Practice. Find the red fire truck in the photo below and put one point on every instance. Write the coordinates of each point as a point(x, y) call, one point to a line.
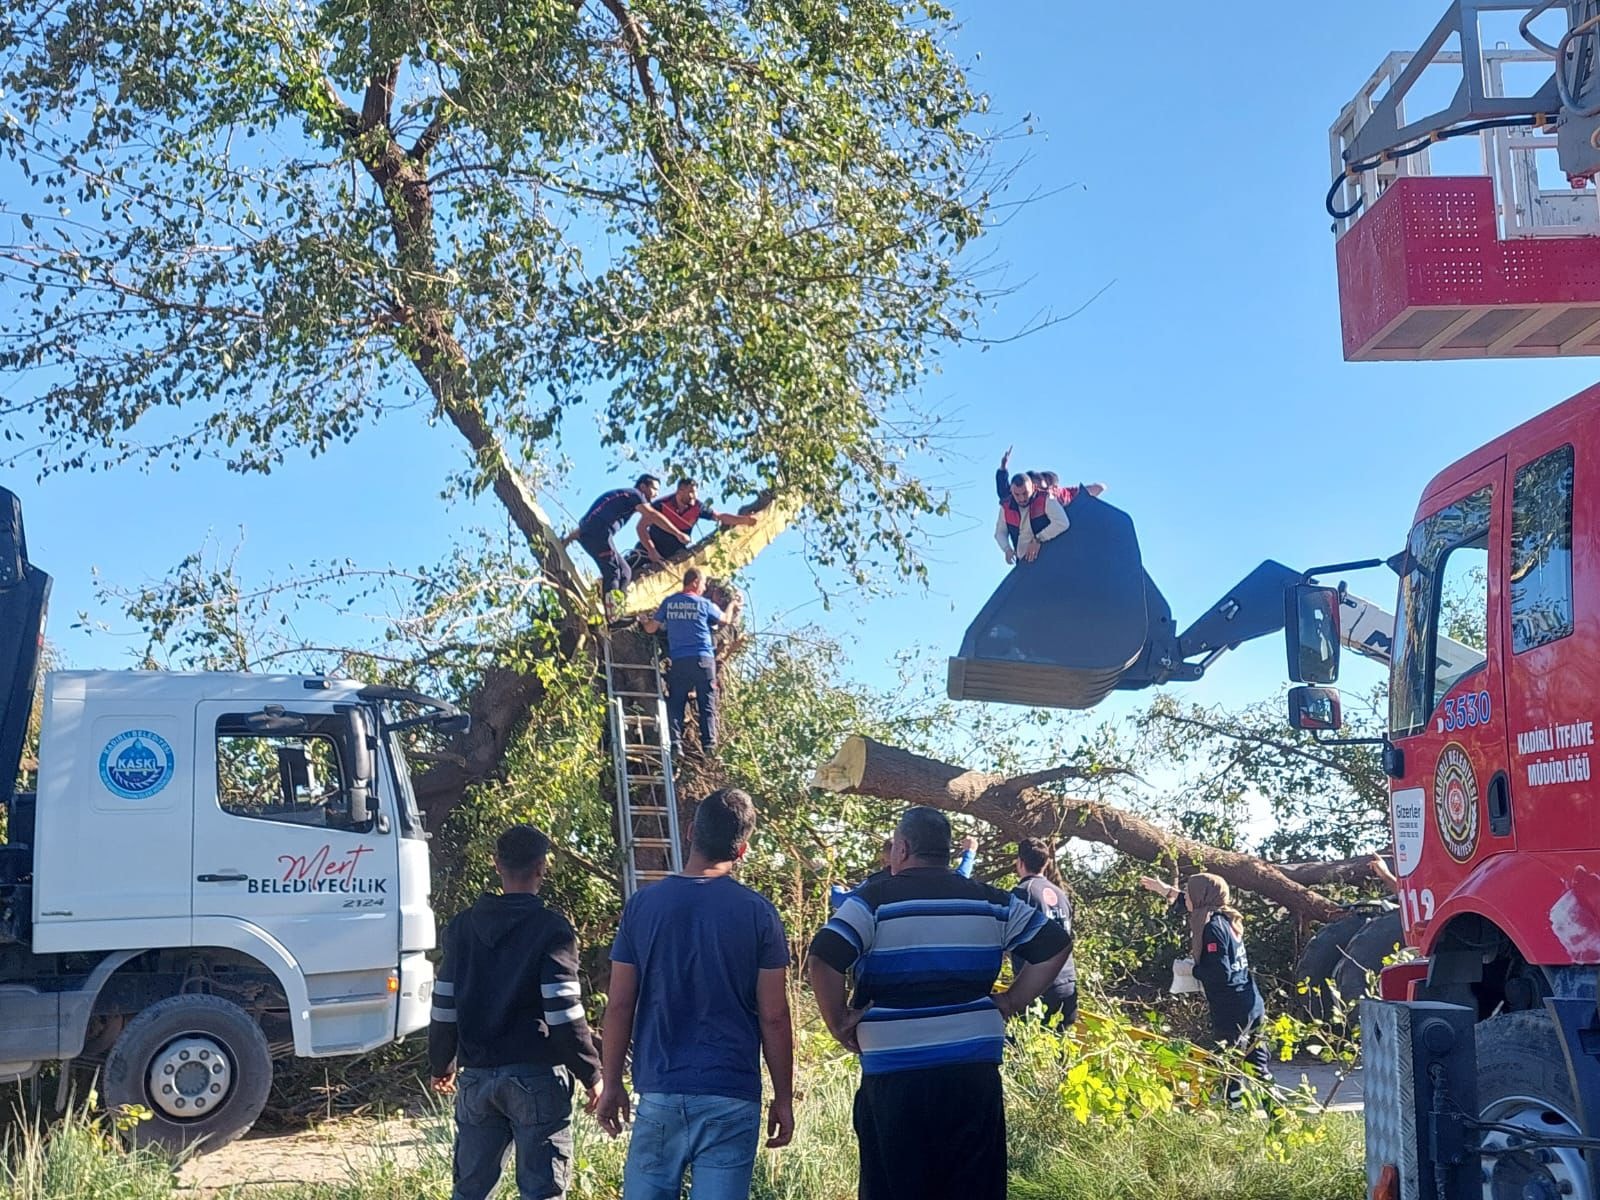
point(1483, 1058)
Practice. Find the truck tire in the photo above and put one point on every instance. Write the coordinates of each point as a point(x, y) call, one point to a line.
point(1522, 1081)
point(200, 1064)
point(1374, 942)
point(1320, 960)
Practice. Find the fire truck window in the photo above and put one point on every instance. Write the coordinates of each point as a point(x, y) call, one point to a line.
point(1541, 551)
point(1463, 613)
point(1420, 674)
point(293, 780)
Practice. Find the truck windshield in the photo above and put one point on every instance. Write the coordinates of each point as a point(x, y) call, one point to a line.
point(1445, 571)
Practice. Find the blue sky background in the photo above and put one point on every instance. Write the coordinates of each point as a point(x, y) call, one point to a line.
point(1205, 385)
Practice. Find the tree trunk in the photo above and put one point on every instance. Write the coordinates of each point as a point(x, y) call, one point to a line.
point(864, 767)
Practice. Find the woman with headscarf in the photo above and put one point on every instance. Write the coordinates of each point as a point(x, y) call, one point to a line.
point(1216, 946)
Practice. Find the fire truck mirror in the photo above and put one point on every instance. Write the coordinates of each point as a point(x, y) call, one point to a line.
point(1311, 631)
point(1315, 709)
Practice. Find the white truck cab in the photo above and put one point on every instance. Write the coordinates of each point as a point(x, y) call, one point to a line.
point(215, 869)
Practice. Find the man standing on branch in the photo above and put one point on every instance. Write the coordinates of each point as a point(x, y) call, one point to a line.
point(683, 510)
point(507, 1033)
point(930, 1114)
point(698, 990)
point(689, 619)
point(1029, 517)
point(1061, 996)
point(609, 513)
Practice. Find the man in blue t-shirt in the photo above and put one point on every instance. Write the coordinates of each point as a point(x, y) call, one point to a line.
point(698, 991)
point(689, 619)
point(609, 513)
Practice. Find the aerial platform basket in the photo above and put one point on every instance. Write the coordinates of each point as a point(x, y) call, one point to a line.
point(1426, 274)
point(1498, 258)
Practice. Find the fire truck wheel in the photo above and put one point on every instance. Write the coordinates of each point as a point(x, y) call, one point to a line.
point(1364, 953)
point(198, 1065)
point(1522, 1083)
point(1319, 961)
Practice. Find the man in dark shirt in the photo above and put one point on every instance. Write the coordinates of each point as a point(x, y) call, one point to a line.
point(609, 513)
point(930, 1115)
point(508, 1034)
point(683, 510)
point(1061, 996)
point(689, 618)
point(698, 991)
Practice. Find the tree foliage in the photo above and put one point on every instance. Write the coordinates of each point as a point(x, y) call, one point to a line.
point(730, 229)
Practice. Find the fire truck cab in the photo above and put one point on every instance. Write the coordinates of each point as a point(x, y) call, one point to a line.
point(1495, 805)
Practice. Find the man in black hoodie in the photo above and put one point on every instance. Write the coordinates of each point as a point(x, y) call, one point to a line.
point(508, 1034)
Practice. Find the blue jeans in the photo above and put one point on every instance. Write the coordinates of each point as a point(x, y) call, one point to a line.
point(498, 1106)
point(716, 1136)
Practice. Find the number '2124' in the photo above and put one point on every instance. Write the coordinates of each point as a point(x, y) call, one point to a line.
point(1465, 712)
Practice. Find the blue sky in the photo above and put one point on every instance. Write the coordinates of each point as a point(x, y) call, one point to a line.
point(1204, 385)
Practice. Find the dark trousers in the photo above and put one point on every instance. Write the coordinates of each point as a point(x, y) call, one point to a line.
point(938, 1134)
point(497, 1107)
point(1061, 1005)
point(697, 675)
point(615, 574)
point(1244, 1038)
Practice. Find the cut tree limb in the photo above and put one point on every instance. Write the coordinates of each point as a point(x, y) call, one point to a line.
point(864, 767)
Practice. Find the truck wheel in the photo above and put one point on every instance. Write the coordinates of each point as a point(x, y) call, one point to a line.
point(1522, 1081)
point(1374, 942)
point(1319, 961)
point(199, 1064)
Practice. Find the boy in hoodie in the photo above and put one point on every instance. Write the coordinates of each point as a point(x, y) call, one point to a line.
point(508, 1034)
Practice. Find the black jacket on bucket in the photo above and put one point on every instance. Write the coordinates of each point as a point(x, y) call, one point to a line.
point(508, 993)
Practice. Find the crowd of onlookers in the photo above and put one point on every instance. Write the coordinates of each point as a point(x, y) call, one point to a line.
point(904, 974)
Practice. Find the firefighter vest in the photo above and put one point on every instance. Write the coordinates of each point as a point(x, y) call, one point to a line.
point(682, 519)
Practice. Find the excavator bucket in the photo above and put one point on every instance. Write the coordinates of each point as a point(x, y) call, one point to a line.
point(1061, 631)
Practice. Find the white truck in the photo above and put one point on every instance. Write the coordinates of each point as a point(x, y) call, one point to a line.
point(215, 870)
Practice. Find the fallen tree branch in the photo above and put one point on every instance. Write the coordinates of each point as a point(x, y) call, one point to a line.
point(864, 767)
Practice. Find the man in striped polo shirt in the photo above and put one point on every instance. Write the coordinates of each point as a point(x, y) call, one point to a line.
point(927, 946)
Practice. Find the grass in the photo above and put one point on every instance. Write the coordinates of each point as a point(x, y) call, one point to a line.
point(1053, 1156)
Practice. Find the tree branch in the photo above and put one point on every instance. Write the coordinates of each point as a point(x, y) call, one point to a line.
point(864, 767)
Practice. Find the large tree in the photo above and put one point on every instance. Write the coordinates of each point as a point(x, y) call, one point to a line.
point(732, 227)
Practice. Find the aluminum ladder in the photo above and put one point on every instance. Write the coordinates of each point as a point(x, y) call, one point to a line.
point(641, 757)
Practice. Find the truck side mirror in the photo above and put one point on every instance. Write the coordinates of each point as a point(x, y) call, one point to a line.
point(1315, 709)
point(363, 800)
point(1311, 632)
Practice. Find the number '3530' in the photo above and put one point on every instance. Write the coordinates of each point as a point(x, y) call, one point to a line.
point(1465, 712)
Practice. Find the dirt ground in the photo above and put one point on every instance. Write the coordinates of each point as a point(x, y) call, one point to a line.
point(334, 1153)
point(326, 1155)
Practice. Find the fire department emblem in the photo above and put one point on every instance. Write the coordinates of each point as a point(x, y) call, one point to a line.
point(1455, 803)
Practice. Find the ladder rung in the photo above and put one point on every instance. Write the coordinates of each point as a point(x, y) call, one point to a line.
point(653, 843)
point(622, 666)
point(653, 874)
point(639, 696)
point(648, 810)
point(647, 778)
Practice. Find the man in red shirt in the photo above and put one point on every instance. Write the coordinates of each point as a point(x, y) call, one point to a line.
point(683, 509)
